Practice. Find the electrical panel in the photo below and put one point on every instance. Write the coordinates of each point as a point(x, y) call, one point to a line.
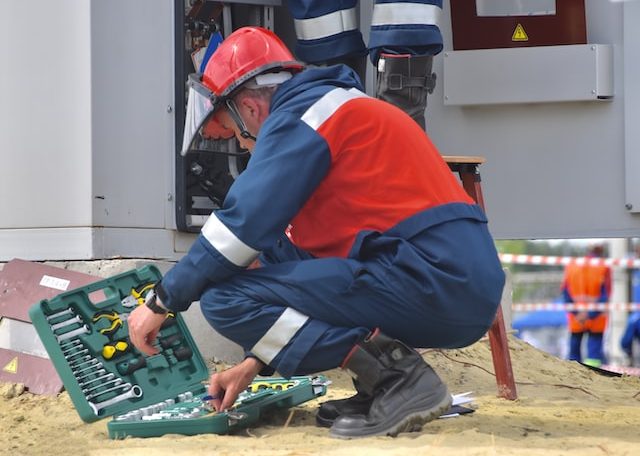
point(205, 173)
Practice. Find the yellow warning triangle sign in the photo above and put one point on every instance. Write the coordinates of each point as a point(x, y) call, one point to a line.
point(519, 34)
point(12, 366)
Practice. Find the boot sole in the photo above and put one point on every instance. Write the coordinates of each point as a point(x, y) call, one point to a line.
point(324, 422)
point(412, 422)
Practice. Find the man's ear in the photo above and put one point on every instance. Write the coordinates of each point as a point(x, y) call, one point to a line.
point(250, 106)
point(256, 108)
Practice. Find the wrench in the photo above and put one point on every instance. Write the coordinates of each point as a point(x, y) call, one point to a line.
point(95, 364)
point(75, 349)
point(76, 332)
point(115, 381)
point(84, 352)
point(71, 345)
point(79, 361)
point(68, 322)
point(135, 391)
point(110, 375)
point(89, 374)
point(124, 386)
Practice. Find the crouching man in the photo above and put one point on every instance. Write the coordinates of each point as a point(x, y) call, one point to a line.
point(368, 245)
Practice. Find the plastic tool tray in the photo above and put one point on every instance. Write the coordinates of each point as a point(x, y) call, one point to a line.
point(85, 333)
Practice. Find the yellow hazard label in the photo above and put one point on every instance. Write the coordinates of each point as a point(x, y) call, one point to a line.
point(12, 366)
point(519, 34)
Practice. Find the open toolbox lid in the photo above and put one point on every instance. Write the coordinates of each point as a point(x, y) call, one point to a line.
point(85, 334)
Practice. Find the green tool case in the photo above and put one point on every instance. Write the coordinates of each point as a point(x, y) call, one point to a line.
point(86, 336)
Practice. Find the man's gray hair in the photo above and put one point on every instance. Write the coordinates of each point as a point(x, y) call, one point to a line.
point(263, 93)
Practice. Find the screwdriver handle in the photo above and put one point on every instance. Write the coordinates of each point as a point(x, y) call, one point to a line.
point(132, 366)
point(167, 342)
point(183, 353)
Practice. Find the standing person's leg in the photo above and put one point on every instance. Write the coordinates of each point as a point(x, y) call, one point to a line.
point(575, 344)
point(404, 38)
point(405, 81)
point(595, 353)
point(595, 325)
point(327, 33)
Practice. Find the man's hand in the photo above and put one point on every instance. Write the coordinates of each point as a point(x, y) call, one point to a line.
point(144, 325)
point(582, 316)
point(225, 386)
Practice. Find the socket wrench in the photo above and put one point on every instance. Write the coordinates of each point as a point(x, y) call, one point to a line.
point(60, 314)
point(75, 333)
point(134, 392)
point(68, 322)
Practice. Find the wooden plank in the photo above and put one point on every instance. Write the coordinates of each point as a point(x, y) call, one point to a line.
point(464, 159)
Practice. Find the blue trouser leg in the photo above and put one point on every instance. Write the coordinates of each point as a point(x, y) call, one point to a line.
point(575, 343)
point(246, 307)
point(324, 45)
point(594, 346)
point(304, 316)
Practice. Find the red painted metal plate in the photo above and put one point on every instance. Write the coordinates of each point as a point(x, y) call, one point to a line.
point(22, 284)
point(37, 374)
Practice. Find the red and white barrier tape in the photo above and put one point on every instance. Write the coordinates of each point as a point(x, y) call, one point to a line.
point(603, 306)
point(543, 260)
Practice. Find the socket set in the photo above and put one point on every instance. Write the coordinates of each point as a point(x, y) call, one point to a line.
point(85, 334)
point(191, 414)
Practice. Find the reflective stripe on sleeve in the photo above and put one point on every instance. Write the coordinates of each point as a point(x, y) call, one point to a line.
point(279, 335)
point(327, 25)
point(402, 13)
point(225, 242)
point(324, 108)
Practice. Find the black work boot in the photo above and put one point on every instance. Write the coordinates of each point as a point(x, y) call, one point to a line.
point(405, 81)
point(354, 405)
point(407, 392)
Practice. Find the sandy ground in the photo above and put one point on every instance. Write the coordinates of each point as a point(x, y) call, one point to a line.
point(562, 409)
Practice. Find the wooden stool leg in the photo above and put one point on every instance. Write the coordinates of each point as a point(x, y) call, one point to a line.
point(470, 177)
point(502, 358)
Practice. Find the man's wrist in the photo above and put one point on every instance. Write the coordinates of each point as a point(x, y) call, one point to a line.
point(154, 304)
point(255, 364)
point(264, 369)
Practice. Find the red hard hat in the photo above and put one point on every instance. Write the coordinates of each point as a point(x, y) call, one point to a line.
point(246, 53)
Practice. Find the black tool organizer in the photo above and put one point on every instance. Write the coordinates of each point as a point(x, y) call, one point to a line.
point(86, 336)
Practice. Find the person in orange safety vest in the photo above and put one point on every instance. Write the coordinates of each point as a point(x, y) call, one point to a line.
point(585, 284)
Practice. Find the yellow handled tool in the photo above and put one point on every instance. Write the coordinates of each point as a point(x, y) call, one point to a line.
point(110, 351)
point(114, 317)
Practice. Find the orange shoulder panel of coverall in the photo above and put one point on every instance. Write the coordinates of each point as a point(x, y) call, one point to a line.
point(585, 285)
